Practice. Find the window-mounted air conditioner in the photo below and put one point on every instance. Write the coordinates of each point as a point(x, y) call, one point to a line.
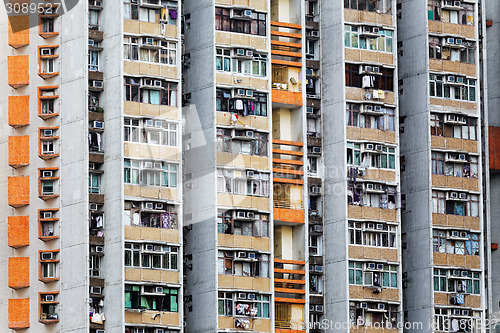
point(316, 150)
point(93, 206)
point(96, 290)
point(47, 173)
point(249, 134)
point(242, 254)
point(462, 157)
point(465, 273)
point(465, 312)
point(456, 272)
point(371, 226)
point(157, 248)
point(462, 196)
point(149, 41)
point(158, 206)
point(159, 290)
point(375, 30)
point(318, 308)
point(369, 186)
point(368, 108)
point(139, 330)
point(249, 53)
point(159, 330)
point(318, 228)
point(376, 69)
point(459, 41)
point(46, 52)
point(247, 13)
point(147, 165)
point(455, 233)
point(459, 79)
point(251, 296)
point(240, 214)
point(157, 83)
point(377, 108)
point(91, 166)
point(452, 195)
point(49, 298)
point(371, 265)
point(367, 29)
point(249, 93)
point(251, 255)
point(457, 312)
point(309, 110)
point(147, 205)
point(148, 123)
point(250, 173)
point(450, 78)
point(240, 92)
point(318, 268)
point(380, 266)
point(242, 296)
point(315, 189)
point(99, 249)
point(47, 215)
point(380, 226)
point(47, 256)
point(251, 215)
point(313, 33)
point(240, 52)
point(369, 146)
point(158, 123)
point(378, 147)
point(91, 42)
point(363, 305)
point(147, 82)
point(47, 133)
point(97, 84)
point(148, 247)
point(98, 124)
point(381, 306)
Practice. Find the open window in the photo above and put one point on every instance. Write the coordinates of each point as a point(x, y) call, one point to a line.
point(48, 265)
point(47, 145)
point(47, 98)
point(48, 183)
point(48, 224)
point(49, 307)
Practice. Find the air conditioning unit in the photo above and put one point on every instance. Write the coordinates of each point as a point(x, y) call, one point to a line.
point(457, 3)
point(309, 110)
point(240, 52)
point(149, 41)
point(249, 134)
point(98, 124)
point(97, 84)
point(450, 117)
point(368, 107)
point(375, 30)
point(455, 233)
point(247, 13)
point(376, 69)
point(249, 53)
point(462, 196)
point(157, 83)
point(96, 290)
point(318, 268)
point(377, 108)
point(456, 272)
point(139, 330)
point(457, 312)
point(46, 52)
point(242, 254)
point(371, 226)
point(250, 173)
point(459, 79)
point(158, 206)
point(148, 123)
point(242, 296)
point(458, 41)
point(47, 174)
point(100, 331)
point(380, 226)
point(363, 305)
point(251, 255)
point(147, 82)
point(249, 93)
point(159, 290)
point(157, 165)
point(316, 150)
point(369, 146)
point(157, 248)
point(318, 228)
point(371, 265)
point(148, 205)
point(147, 165)
point(381, 306)
point(465, 312)
point(315, 189)
point(462, 157)
point(91, 42)
point(465, 273)
point(47, 133)
point(453, 195)
point(97, 3)
point(450, 40)
point(313, 33)
point(380, 266)
point(148, 247)
point(49, 298)
point(450, 78)
point(93, 206)
point(159, 330)
point(378, 147)
point(46, 256)
point(91, 166)
point(47, 215)
point(318, 308)
point(367, 29)
point(99, 249)
point(251, 215)
point(240, 214)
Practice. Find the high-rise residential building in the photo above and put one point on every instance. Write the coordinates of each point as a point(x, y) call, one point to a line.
point(277, 166)
point(91, 168)
point(442, 121)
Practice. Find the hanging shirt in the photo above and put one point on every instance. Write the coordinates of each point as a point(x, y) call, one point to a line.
point(239, 105)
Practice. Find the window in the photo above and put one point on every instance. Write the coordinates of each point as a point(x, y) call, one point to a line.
point(447, 125)
point(353, 153)
point(47, 97)
point(383, 6)
point(464, 16)
point(132, 89)
point(383, 119)
point(385, 81)
point(47, 25)
point(131, 48)
point(354, 39)
point(373, 274)
point(236, 142)
point(48, 265)
point(437, 163)
point(455, 203)
point(151, 256)
point(94, 183)
point(442, 49)
point(150, 131)
point(244, 304)
point(165, 93)
point(464, 91)
point(150, 173)
point(440, 280)
point(352, 114)
point(456, 242)
point(355, 273)
point(312, 165)
point(225, 304)
point(93, 60)
point(239, 182)
point(47, 219)
point(48, 179)
point(150, 49)
point(93, 19)
point(151, 214)
point(239, 223)
point(154, 298)
point(236, 20)
point(48, 307)
point(48, 66)
point(95, 266)
point(237, 263)
point(315, 283)
point(223, 60)
point(372, 234)
point(316, 245)
point(132, 130)
point(371, 195)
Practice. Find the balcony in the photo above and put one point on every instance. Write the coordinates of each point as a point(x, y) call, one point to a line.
point(286, 60)
point(289, 292)
point(288, 181)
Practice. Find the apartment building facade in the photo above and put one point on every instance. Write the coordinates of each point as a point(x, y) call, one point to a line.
point(92, 201)
point(442, 153)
